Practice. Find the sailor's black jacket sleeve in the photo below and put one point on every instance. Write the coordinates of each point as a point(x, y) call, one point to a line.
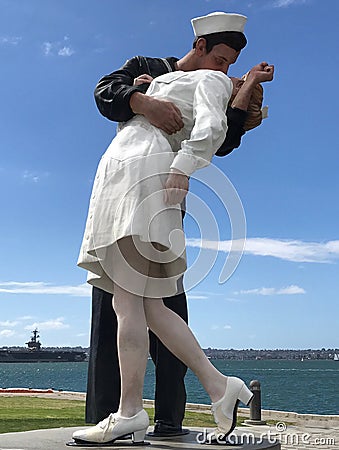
point(113, 92)
point(235, 122)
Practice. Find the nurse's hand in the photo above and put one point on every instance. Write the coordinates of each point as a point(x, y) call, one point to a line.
point(258, 74)
point(261, 72)
point(160, 113)
point(176, 188)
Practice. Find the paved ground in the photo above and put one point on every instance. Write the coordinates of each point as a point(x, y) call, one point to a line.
point(300, 437)
point(246, 437)
point(56, 439)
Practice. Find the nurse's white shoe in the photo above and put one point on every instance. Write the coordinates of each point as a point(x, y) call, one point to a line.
point(225, 409)
point(115, 427)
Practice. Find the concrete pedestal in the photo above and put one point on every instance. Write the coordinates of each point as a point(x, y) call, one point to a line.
point(56, 439)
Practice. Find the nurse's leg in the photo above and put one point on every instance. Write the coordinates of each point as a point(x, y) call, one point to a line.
point(130, 268)
point(179, 339)
point(132, 349)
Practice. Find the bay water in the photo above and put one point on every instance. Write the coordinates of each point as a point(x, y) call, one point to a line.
point(309, 386)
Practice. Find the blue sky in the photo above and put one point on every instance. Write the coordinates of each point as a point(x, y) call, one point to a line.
point(284, 292)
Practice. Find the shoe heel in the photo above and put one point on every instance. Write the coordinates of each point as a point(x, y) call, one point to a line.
point(139, 436)
point(245, 395)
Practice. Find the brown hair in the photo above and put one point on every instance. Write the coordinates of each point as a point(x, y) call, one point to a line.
point(254, 113)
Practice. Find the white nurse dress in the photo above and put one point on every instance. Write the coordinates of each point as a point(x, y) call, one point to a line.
point(127, 195)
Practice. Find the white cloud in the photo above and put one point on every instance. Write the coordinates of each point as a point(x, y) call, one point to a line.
point(23, 318)
point(233, 300)
point(39, 287)
point(288, 250)
point(66, 51)
point(204, 295)
point(8, 323)
point(7, 333)
point(57, 48)
point(197, 297)
point(218, 327)
point(33, 177)
point(286, 3)
point(52, 324)
point(47, 48)
point(289, 290)
point(297, 251)
point(10, 40)
point(29, 176)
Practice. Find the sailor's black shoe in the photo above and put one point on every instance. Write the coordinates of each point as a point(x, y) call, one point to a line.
point(162, 429)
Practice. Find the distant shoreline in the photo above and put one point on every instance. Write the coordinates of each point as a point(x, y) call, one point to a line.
point(277, 354)
point(234, 354)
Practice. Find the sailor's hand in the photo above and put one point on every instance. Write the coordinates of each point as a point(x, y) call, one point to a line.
point(142, 79)
point(164, 115)
point(176, 188)
point(160, 113)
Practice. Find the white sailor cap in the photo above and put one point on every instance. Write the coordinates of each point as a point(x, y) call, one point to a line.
point(218, 22)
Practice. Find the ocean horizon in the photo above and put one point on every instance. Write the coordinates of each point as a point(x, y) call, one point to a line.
point(306, 387)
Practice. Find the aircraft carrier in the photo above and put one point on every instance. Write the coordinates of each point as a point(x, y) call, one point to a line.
point(34, 353)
